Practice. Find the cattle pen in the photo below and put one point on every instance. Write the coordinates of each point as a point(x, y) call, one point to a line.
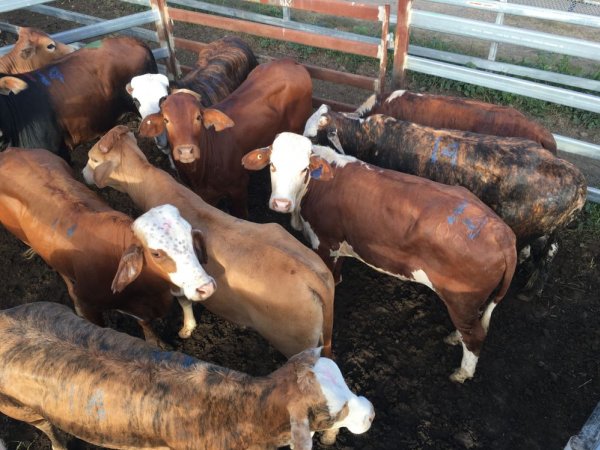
point(539, 376)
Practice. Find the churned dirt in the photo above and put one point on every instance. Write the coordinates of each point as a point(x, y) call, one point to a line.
point(537, 380)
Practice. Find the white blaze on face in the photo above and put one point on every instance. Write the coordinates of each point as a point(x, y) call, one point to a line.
point(148, 89)
point(163, 228)
point(312, 124)
point(290, 157)
point(334, 388)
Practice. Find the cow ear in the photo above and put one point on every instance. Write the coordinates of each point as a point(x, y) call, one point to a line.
point(102, 173)
point(108, 141)
point(11, 84)
point(129, 269)
point(300, 428)
point(257, 159)
point(129, 88)
point(199, 246)
point(217, 119)
point(320, 169)
point(152, 125)
point(27, 50)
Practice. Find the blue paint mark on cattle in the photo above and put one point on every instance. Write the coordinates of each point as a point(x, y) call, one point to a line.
point(475, 226)
point(186, 362)
point(457, 212)
point(71, 230)
point(95, 405)
point(45, 81)
point(316, 174)
point(450, 151)
point(55, 74)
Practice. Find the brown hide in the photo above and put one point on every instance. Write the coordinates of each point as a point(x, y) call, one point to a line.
point(77, 234)
point(275, 97)
point(441, 111)
point(116, 391)
point(33, 49)
point(266, 279)
point(87, 87)
point(400, 224)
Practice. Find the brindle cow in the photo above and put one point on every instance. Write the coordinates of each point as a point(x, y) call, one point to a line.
point(60, 372)
point(405, 226)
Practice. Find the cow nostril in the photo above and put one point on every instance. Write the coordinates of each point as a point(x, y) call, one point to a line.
point(207, 289)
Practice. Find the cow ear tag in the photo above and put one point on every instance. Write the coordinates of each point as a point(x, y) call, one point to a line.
point(316, 174)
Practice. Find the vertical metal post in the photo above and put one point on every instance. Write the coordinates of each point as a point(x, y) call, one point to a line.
point(401, 43)
point(286, 13)
point(384, 17)
point(494, 46)
point(164, 29)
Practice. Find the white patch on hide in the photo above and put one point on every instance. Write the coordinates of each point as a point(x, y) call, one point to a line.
point(336, 392)
point(163, 228)
point(395, 94)
point(331, 156)
point(312, 124)
point(525, 253)
point(487, 316)
point(310, 234)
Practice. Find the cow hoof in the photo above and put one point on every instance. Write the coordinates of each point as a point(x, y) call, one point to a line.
point(453, 338)
point(186, 333)
point(460, 375)
point(329, 436)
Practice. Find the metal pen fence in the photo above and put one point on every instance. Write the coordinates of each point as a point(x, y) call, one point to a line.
point(563, 89)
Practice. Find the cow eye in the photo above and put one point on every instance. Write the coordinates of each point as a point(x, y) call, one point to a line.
point(199, 117)
point(165, 120)
point(94, 160)
point(332, 133)
point(155, 254)
point(51, 46)
point(305, 170)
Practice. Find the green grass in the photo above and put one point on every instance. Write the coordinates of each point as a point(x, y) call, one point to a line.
point(590, 219)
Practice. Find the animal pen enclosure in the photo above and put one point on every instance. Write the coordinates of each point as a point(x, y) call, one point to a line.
point(538, 377)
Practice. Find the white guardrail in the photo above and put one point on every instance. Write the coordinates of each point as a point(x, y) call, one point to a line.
point(478, 71)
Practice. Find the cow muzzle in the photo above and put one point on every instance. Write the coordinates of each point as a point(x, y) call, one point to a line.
point(205, 291)
point(282, 205)
point(186, 153)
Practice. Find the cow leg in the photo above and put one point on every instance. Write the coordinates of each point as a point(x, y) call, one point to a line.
point(472, 335)
point(334, 264)
point(543, 251)
point(27, 415)
point(189, 321)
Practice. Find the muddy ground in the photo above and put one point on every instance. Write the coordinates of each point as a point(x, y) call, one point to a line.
point(537, 380)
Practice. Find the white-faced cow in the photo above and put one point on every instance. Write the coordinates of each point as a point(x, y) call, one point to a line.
point(533, 191)
point(107, 260)
point(405, 226)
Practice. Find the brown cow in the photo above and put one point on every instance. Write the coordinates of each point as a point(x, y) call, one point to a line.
point(87, 242)
point(33, 49)
point(533, 191)
point(442, 111)
point(75, 99)
point(116, 391)
point(205, 144)
point(267, 279)
point(405, 226)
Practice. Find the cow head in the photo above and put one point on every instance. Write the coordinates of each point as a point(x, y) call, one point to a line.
point(292, 165)
point(36, 49)
point(169, 247)
point(321, 129)
point(325, 401)
point(105, 158)
point(147, 90)
point(185, 121)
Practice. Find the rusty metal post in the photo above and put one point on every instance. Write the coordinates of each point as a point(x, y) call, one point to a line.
point(401, 43)
point(384, 17)
point(164, 29)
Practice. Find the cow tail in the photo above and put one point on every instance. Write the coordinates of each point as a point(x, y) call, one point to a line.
point(509, 249)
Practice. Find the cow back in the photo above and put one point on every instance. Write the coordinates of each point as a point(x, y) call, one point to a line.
point(440, 111)
point(221, 67)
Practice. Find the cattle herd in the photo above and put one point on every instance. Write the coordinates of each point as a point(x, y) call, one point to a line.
point(454, 194)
